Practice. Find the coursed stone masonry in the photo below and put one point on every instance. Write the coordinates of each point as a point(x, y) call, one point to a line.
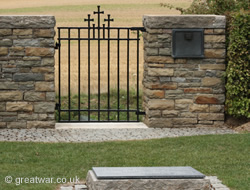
point(27, 94)
point(183, 92)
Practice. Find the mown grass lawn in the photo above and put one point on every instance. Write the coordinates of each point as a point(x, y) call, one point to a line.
point(225, 156)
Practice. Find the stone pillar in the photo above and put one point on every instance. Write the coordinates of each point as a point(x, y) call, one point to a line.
point(27, 94)
point(187, 92)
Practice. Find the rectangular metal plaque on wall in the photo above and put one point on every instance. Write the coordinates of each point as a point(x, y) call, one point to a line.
point(188, 43)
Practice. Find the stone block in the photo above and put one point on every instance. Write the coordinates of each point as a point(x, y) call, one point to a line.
point(164, 38)
point(178, 91)
point(166, 86)
point(198, 90)
point(5, 32)
point(11, 95)
point(45, 86)
point(30, 63)
point(38, 51)
point(17, 125)
point(154, 93)
point(182, 107)
point(9, 119)
point(214, 38)
point(19, 106)
point(165, 51)
point(188, 115)
point(208, 31)
point(210, 99)
point(27, 116)
point(17, 51)
point(219, 31)
point(26, 42)
point(183, 101)
point(211, 116)
point(40, 124)
point(48, 62)
point(8, 113)
point(49, 77)
point(27, 85)
point(50, 96)
point(47, 43)
point(221, 67)
point(151, 51)
point(4, 51)
point(22, 32)
point(24, 21)
point(42, 69)
point(184, 21)
point(156, 65)
point(95, 182)
point(49, 33)
point(215, 53)
point(159, 59)
point(44, 107)
point(30, 58)
point(206, 122)
point(170, 113)
point(159, 122)
point(2, 106)
point(184, 121)
point(217, 108)
point(160, 72)
point(3, 124)
point(34, 96)
point(8, 86)
point(161, 104)
point(211, 81)
point(24, 77)
point(153, 113)
point(198, 108)
point(6, 42)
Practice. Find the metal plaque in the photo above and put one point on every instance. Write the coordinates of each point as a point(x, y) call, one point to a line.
point(147, 173)
point(188, 43)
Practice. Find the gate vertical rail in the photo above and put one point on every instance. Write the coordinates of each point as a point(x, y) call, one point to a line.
point(66, 109)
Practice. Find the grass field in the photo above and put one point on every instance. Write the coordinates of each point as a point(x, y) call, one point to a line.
point(225, 156)
point(72, 13)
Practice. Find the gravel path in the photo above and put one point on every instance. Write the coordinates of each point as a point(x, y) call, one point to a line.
point(99, 135)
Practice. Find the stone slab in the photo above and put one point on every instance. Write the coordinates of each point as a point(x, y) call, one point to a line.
point(183, 21)
point(27, 22)
point(147, 173)
point(145, 184)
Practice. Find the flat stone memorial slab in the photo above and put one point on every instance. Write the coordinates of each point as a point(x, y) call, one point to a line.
point(146, 178)
point(147, 173)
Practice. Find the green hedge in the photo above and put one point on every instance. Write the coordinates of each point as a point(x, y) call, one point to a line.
point(238, 71)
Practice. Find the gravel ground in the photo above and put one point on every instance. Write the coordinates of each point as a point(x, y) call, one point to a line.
point(99, 135)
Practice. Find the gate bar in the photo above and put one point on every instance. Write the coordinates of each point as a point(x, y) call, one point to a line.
point(128, 75)
point(59, 74)
point(118, 74)
point(69, 103)
point(138, 38)
point(79, 76)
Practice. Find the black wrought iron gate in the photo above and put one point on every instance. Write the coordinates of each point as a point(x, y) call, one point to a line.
point(112, 101)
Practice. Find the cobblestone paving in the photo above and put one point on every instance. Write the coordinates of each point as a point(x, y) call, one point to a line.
point(99, 135)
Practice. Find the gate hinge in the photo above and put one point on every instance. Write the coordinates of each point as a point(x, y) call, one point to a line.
point(57, 45)
point(142, 29)
point(140, 113)
point(57, 106)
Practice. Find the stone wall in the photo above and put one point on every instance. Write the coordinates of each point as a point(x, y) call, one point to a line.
point(183, 92)
point(27, 94)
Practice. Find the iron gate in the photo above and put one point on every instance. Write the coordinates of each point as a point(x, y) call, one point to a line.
point(115, 103)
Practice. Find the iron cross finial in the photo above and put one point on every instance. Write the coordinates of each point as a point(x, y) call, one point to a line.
point(108, 20)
